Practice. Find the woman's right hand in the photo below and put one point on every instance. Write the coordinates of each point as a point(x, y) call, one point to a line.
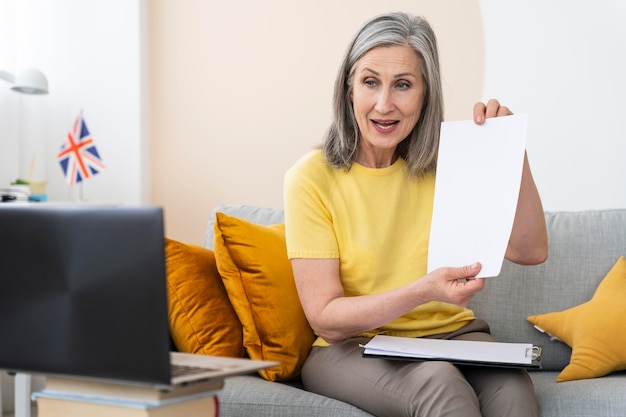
point(453, 285)
point(335, 317)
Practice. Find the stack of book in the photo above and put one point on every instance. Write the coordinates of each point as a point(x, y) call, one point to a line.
point(68, 397)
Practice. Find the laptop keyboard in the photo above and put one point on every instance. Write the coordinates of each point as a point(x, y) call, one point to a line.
point(178, 370)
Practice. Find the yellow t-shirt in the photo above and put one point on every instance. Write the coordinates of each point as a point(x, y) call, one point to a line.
point(377, 222)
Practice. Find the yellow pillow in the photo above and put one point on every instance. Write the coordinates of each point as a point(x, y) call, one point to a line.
point(252, 260)
point(202, 320)
point(594, 330)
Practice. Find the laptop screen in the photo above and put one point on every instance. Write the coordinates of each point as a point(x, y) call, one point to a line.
point(83, 292)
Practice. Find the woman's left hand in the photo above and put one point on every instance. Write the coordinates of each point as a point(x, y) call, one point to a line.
point(493, 108)
point(528, 244)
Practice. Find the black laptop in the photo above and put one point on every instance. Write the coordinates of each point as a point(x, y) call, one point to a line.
point(83, 294)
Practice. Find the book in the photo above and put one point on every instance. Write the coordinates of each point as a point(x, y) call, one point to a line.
point(59, 404)
point(467, 352)
point(120, 391)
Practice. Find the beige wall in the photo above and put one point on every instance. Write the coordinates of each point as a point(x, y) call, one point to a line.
point(240, 90)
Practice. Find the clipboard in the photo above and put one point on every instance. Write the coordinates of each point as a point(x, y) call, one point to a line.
point(462, 352)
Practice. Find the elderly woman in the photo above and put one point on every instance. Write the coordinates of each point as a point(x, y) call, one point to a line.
point(358, 215)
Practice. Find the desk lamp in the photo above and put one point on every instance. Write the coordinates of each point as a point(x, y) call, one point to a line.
point(28, 81)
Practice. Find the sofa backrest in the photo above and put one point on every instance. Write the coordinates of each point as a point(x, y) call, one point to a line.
point(583, 247)
point(259, 215)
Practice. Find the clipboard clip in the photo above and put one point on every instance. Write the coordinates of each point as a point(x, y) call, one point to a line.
point(534, 352)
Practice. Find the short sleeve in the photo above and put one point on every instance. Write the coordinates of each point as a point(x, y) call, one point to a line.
point(309, 228)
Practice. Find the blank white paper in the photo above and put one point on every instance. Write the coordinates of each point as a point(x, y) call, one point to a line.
point(479, 171)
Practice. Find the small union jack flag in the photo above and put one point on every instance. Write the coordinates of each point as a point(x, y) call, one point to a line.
point(78, 156)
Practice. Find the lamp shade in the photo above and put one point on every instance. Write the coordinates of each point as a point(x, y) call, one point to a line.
point(30, 81)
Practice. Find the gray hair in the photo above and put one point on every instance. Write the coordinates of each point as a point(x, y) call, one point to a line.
point(419, 149)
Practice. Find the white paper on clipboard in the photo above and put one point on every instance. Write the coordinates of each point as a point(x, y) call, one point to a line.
point(479, 172)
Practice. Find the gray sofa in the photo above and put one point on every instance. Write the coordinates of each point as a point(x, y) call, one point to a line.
point(583, 248)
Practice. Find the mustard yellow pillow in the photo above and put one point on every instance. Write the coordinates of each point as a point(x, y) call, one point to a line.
point(202, 320)
point(252, 260)
point(594, 330)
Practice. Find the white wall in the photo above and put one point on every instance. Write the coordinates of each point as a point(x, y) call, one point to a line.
point(240, 93)
point(560, 61)
point(246, 101)
point(91, 54)
point(9, 102)
point(563, 63)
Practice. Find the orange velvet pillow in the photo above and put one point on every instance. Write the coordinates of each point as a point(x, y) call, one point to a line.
point(252, 260)
point(202, 320)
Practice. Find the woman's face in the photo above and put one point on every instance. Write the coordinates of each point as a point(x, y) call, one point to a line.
point(387, 99)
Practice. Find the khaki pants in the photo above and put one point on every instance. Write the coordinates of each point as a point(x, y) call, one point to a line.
point(425, 389)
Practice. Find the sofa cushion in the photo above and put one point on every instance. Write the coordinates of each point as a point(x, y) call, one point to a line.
point(584, 398)
point(253, 396)
point(583, 246)
point(252, 260)
point(202, 320)
point(594, 330)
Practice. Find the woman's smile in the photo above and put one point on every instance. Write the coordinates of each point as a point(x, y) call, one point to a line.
point(385, 126)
